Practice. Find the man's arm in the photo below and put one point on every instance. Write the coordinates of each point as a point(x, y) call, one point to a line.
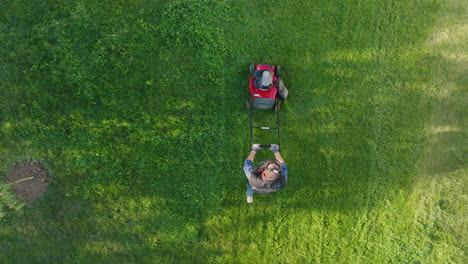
point(248, 168)
point(248, 164)
point(255, 148)
point(278, 157)
point(275, 149)
point(251, 156)
point(284, 169)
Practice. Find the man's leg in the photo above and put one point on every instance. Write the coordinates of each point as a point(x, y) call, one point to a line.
point(249, 194)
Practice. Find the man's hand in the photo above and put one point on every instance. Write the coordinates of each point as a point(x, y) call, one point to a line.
point(274, 148)
point(256, 147)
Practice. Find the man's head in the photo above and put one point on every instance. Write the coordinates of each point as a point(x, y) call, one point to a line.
point(271, 171)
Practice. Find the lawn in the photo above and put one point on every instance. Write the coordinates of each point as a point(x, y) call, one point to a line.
point(137, 108)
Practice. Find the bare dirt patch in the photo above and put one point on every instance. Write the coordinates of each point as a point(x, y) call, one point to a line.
point(31, 189)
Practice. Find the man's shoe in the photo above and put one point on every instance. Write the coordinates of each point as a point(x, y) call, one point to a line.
point(249, 199)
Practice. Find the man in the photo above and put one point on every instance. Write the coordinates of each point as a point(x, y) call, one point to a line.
point(270, 176)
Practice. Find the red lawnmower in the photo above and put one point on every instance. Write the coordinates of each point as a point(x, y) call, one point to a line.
point(267, 91)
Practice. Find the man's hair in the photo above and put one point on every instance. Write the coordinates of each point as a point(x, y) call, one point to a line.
point(267, 173)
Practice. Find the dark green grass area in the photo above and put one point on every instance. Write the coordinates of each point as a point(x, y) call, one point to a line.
point(138, 110)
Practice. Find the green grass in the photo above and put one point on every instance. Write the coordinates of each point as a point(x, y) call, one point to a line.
point(138, 110)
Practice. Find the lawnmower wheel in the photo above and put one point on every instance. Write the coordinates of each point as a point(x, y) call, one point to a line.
point(252, 67)
point(277, 70)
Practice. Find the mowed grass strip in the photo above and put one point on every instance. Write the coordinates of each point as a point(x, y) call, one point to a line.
point(139, 111)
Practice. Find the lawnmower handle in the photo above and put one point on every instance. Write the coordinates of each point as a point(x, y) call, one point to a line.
point(265, 146)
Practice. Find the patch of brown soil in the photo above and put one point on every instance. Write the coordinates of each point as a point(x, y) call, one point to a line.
point(29, 190)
